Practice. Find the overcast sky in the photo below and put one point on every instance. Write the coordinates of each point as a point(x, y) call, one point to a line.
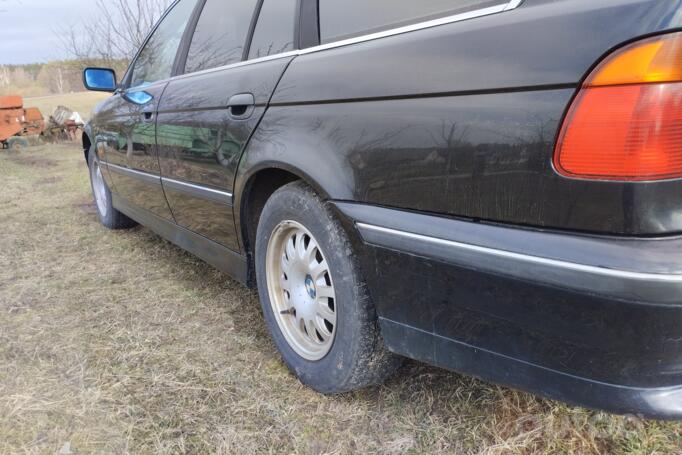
point(27, 28)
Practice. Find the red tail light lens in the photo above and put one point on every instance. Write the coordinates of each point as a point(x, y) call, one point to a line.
point(626, 122)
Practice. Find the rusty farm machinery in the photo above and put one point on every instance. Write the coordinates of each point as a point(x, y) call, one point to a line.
point(20, 126)
point(17, 124)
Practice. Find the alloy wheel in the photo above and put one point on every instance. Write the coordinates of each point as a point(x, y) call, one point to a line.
point(301, 290)
point(99, 188)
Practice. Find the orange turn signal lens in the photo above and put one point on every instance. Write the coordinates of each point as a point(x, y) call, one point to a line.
point(656, 59)
point(626, 122)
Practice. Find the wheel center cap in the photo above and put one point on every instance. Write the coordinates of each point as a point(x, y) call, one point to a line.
point(310, 287)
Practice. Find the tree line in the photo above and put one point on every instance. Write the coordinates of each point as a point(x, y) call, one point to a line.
point(108, 38)
point(52, 78)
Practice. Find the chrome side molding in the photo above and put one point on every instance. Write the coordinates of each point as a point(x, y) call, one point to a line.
point(190, 189)
point(145, 177)
point(652, 288)
point(198, 191)
point(638, 276)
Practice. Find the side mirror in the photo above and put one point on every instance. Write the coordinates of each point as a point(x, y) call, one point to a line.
point(100, 79)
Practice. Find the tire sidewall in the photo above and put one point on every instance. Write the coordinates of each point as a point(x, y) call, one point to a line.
point(108, 219)
point(296, 203)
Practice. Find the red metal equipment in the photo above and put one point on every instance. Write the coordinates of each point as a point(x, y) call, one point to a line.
point(17, 123)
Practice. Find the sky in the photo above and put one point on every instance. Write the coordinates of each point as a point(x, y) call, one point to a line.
point(27, 28)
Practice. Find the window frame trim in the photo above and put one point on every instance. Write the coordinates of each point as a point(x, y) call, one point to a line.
point(252, 30)
point(186, 43)
point(308, 24)
point(191, 31)
point(488, 11)
point(124, 85)
point(407, 23)
point(181, 61)
point(296, 38)
point(502, 6)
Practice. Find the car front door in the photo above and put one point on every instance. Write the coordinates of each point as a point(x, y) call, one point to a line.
point(127, 123)
point(207, 115)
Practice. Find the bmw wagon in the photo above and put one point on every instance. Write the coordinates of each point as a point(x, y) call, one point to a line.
point(489, 186)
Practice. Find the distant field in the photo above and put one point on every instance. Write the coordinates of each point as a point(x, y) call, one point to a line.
point(81, 102)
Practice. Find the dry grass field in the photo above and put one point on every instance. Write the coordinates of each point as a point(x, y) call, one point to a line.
point(81, 102)
point(119, 342)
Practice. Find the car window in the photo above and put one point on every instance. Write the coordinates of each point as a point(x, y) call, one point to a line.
point(340, 19)
point(155, 61)
point(220, 35)
point(274, 31)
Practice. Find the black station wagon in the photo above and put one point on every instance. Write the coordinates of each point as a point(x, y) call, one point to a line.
point(490, 186)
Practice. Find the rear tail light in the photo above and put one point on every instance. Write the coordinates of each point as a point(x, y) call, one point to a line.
point(626, 121)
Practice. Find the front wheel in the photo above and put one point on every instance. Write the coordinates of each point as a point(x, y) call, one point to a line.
point(108, 215)
point(314, 300)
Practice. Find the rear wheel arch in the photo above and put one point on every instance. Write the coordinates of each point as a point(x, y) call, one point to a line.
point(252, 196)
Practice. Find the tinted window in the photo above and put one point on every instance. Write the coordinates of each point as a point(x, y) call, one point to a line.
point(220, 35)
point(274, 32)
point(346, 18)
point(156, 59)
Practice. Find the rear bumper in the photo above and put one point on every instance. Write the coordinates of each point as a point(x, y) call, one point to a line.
point(595, 321)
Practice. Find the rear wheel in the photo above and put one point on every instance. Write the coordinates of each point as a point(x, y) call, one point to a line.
point(314, 300)
point(302, 293)
point(108, 215)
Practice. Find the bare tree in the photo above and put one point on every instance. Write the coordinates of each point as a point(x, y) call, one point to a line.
point(113, 35)
point(5, 79)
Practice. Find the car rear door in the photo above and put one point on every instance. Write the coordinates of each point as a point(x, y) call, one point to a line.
point(237, 54)
point(126, 126)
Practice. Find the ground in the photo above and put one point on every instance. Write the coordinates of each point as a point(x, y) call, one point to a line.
point(119, 342)
point(81, 102)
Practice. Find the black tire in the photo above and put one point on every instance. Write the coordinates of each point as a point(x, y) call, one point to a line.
point(108, 215)
point(17, 144)
point(357, 357)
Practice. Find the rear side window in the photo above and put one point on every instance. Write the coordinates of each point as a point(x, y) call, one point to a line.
point(155, 61)
point(220, 35)
point(340, 19)
point(274, 32)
